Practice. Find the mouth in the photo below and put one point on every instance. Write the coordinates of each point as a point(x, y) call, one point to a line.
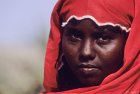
point(88, 68)
point(87, 65)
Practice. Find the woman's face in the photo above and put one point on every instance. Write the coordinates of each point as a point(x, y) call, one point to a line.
point(92, 52)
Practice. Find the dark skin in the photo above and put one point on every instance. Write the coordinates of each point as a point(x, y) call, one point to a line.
point(91, 52)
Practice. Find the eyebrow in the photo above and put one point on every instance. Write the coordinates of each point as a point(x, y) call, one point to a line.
point(72, 30)
point(108, 29)
point(112, 29)
point(69, 28)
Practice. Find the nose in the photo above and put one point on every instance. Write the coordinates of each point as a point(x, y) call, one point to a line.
point(86, 51)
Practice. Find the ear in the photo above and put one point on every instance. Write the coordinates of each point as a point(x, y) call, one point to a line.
point(59, 63)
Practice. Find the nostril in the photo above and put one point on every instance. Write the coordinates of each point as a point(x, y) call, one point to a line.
point(86, 58)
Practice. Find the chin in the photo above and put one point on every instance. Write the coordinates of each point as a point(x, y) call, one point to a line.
point(90, 82)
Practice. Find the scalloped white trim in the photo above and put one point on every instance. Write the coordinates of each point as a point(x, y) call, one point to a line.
point(92, 18)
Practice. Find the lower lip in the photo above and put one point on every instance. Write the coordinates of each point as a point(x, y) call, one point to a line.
point(88, 71)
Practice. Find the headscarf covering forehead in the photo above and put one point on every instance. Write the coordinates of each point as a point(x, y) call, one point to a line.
point(111, 11)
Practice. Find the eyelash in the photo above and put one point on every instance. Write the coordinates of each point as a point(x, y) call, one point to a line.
point(99, 40)
point(103, 39)
point(75, 37)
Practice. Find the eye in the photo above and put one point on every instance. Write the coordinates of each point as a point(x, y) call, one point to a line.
point(103, 39)
point(74, 35)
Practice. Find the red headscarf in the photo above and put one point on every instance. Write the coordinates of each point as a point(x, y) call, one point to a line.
point(123, 12)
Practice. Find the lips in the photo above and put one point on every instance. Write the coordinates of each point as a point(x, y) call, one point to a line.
point(87, 65)
point(88, 68)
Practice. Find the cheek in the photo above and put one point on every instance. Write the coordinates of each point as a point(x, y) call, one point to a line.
point(70, 51)
point(70, 54)
point(111, 56)
point(116, 48)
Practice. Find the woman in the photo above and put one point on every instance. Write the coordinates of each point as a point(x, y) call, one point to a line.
point(86, 46)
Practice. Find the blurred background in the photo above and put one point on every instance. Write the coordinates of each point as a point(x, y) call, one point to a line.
point(24, 29)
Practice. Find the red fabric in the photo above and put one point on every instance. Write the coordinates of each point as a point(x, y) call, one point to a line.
point(124, 81)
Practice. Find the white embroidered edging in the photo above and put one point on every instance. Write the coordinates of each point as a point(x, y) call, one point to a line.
point(92, 18)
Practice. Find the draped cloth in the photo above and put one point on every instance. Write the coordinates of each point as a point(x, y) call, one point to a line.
point(125, 12)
